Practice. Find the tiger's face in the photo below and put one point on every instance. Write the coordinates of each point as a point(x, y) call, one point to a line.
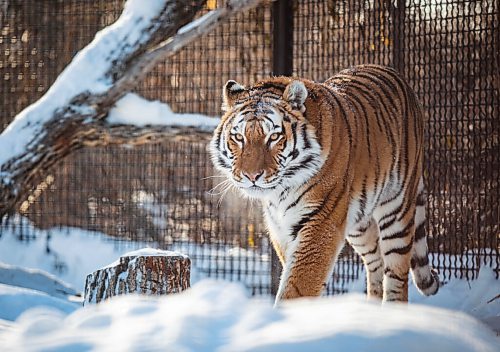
point(264, 143)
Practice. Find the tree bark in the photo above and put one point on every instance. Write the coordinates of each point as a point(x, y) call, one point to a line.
point(46, 132)
point(155, 273)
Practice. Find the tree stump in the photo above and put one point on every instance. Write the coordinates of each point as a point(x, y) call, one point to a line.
point(146, 271)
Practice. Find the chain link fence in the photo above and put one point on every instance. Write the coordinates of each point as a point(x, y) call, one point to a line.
point(447, 50)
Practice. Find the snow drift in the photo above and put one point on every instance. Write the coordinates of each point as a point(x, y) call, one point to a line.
point(217, 316)
point(37, 312)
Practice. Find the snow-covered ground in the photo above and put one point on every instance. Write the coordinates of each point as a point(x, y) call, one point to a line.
point(38, 311)
point(74, 253)
point(15, 300)
point(218, 316)
point(35, 279)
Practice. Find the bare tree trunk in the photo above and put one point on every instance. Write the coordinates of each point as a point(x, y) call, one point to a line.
point(47, 131)
point(153, 273)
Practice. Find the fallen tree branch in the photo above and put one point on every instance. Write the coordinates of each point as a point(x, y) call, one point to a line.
point(104, 135)
point(72, 114)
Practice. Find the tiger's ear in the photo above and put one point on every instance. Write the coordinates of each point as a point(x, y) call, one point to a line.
point(296, 93)
point(230, 93)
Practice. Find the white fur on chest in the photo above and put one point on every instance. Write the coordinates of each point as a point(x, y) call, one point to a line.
point(281, 217)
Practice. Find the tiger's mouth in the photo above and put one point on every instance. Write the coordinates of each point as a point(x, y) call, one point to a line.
point(256, 191)
point(260, 188)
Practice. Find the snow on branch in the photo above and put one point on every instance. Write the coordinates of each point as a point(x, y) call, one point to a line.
point(133, 109)
point(75, 111)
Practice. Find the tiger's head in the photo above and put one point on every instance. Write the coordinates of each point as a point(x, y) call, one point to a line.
point(264, 143)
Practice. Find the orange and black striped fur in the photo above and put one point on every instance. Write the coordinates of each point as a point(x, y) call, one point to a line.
point(333, 161)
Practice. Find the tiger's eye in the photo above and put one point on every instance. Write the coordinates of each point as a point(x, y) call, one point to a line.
point(274, 137)
point(239, 137)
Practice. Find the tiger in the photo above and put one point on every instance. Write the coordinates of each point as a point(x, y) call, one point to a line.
point(329, 162)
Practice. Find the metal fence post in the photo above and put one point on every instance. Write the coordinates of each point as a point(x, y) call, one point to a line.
point(283, 37)
point(282, 65)
point(398, 13)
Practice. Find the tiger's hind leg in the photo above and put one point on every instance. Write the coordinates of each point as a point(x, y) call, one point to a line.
point(364, 239)
point(395, 219)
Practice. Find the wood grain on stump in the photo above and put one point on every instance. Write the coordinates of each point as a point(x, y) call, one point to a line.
point(147, 271)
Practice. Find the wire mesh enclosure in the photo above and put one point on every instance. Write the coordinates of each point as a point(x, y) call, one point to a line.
point(166, 194)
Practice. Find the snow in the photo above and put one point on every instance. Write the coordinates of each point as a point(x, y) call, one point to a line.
point(469, 297)
point(16, 300)
point(38, 311)
point(218, 316)
point(36, 280)
point(152, 252)
point(75, 253)
point(146, 252)
point(132, 109)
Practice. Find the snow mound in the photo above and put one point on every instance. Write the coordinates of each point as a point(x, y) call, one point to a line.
point(14, 301)
point(74, 253)
point(36, 280)
point(217, 316)
point(23, 289)
point(479, 298)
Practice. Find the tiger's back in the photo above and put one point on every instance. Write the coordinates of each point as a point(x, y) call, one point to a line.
point(346, 163)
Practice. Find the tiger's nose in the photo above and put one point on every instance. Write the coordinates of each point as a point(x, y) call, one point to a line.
point(253, 176)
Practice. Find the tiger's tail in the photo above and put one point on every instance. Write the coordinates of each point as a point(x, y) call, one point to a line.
point(425, 278)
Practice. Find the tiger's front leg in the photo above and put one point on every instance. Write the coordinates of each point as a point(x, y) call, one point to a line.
point(309, 259)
